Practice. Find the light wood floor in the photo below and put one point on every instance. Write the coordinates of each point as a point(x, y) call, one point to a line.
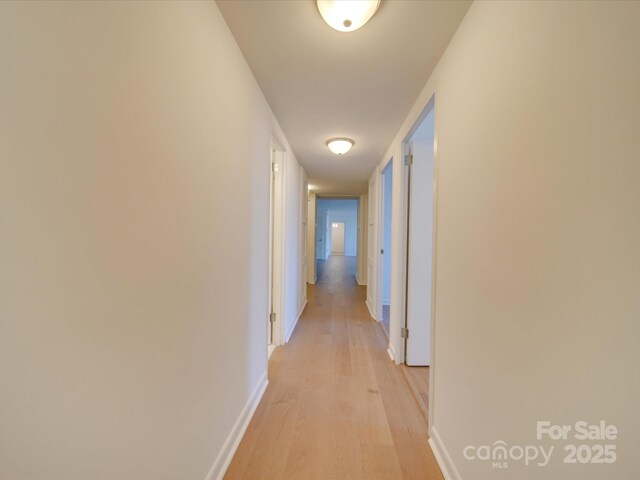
point(336, 406)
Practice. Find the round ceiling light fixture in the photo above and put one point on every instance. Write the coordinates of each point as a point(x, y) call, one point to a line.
point(340, 146)
point(347, 15)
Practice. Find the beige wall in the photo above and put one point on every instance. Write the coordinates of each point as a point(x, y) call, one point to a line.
point(132, 330)
point(538, 214)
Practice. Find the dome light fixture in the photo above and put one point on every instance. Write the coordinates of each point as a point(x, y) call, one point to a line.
point(340, 146)
point(347, 15)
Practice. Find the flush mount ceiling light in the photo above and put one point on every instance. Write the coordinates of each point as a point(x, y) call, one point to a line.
point(347, 15)
point(340, 145)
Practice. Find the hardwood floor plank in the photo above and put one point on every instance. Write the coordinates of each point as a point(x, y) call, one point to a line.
point(380, 462)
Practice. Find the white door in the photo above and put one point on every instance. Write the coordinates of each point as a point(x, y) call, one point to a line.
point(273, 244)
point(386, 194)
point(419, 277)
point(372, 246)
point(337, 238)
point(274, 325)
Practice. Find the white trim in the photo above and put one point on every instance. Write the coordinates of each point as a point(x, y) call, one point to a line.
point(270, 350)
point(293, 327)
point(399, 293)
point(407, 148)
point(394, 356)
point(434, 260)
point(360, 282)
point(301, 309)
point(448, 468)
point(368, 304)
point(230, 446)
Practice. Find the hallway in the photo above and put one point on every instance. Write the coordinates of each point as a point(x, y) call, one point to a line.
point(339, 271)
point(336, 406)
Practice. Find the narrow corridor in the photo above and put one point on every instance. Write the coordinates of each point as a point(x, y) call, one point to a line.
point(336, 406)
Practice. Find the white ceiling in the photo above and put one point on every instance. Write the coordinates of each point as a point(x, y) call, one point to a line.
point(322, 83)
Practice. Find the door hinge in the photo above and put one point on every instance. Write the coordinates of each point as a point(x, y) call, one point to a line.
point(404, 332)
point(408, 159)
point(382, 251)
point(272, 317)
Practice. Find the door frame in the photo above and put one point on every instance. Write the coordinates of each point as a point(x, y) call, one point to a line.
point(408, 149)
point(430, 105)
point(320, 196)
point(277, 215)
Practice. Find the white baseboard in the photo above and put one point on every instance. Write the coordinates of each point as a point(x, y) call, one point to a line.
point(230, 446)
point(287, 334)
point(370, 310)
point(448, 468)
point(360, 282)
point(302, 307)
point(392, 353)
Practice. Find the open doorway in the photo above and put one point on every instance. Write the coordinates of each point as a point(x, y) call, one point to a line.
point(385, 241)
point(337, 234)
point(420, 159)
point(337, 238)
